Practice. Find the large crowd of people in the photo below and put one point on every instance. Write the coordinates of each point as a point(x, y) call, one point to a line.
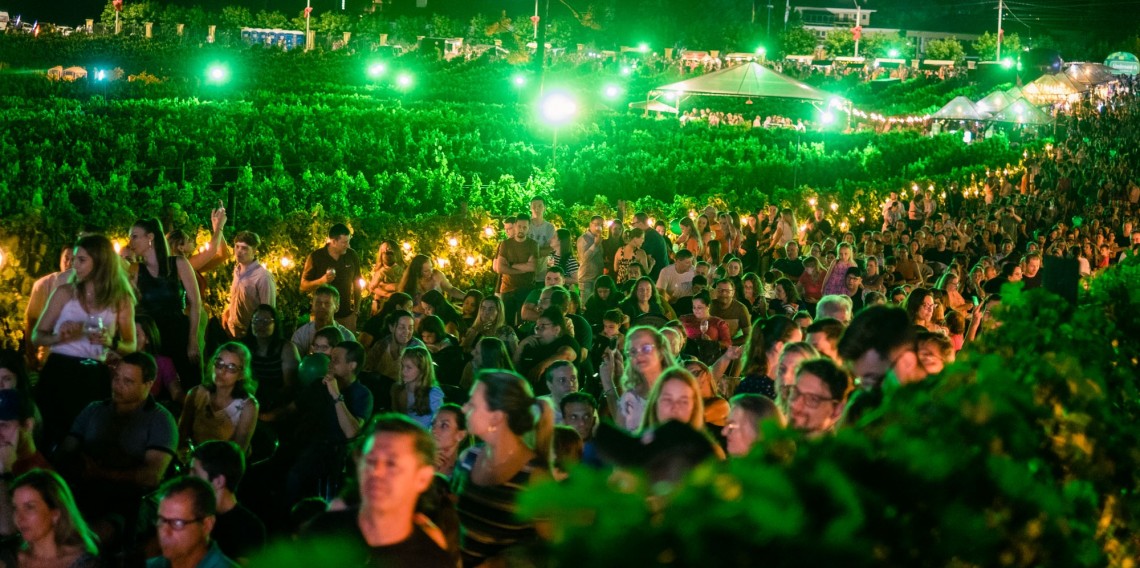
point(405, 432)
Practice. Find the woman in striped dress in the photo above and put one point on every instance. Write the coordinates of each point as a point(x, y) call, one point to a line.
point(516, 430)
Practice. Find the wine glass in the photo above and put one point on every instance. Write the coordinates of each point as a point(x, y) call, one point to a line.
point(331, 273)
point(93, 327)
point(704, 328)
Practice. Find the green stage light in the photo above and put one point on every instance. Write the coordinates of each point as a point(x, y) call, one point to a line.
point(519, 80)
point(377, 70)
point(612, 92)
point(827, 118)
point(404, 80)
point(893, 53)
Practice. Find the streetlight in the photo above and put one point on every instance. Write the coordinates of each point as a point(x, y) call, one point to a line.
point(894, 53)
point(761, 52)
point(557, 109)
point(612, 91)
point(217, 74)
point(377, 70)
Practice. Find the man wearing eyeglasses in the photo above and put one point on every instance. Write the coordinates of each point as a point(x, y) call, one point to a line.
point(880, 342)
point(819, 396)
point(186, 516)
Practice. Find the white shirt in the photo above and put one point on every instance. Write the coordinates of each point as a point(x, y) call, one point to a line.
point(676, 284)
point(252, 286)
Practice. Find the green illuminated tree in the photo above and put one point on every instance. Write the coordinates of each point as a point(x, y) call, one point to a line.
point(798, 41)
point(839, 42)
point(986, 46)
point(947, 49)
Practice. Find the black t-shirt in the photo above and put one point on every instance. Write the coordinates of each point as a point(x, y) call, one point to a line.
point(347, 273)
point(793, 269)
point(945, 256)
point(239, 533)
point(334, 539)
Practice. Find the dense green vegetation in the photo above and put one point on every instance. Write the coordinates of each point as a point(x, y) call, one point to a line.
point(1023, 453)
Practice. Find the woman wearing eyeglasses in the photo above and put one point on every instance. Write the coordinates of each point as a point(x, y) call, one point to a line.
point(52, 531)
point(223, 406)
point(649, 356)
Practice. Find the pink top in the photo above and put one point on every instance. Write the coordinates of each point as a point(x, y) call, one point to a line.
point(812, 285)
point(837, 282)
point(717, 331)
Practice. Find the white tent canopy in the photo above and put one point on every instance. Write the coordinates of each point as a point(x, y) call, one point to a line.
point(961, 108)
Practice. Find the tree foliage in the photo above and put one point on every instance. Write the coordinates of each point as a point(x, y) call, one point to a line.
point(946, 49)
point(986, 46)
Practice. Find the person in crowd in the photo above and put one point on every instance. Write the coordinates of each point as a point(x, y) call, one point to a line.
point(561, 379)
point(790, 265)
point(488, 353)
point(762, 353)
point(644, 301)
point(676, 280)
point(790, 358)
point(469, 309)
point(387, 272)
point(708, 336)
point(684, 305)
point(785, 298)
point(517, 434)
point(591, 257)
point(675, 396)
point(384, 355)
point(322, 311)
point(42, 290)
point(810, 283)
point(337, 265)
point(449, 429)
point(654, 246)
point(422, 277)
point(873, 280)
point(854, 289)
point(324, 340)
point(85, 321)
point(491, 322)
point(417, 394)
point(836, 306)
point(432, 303)
point(273, 359)
point(580, 411)
point(252, 286)
point(751, 292)
point(543, 233)
point(335, 408)
point(516, 261)
point(239, 532)
point(376, 327)
point(920, 307)
point(648, 355)
point(690, 239)
point(562, 257)
point(118, 449)
point(52, 530)
point(824, 334)
point(168, 292)
point(727, 307)
point(629, 254)
point(742, 428)
point(934, 351)
point(879, 342)
point(18, 451)
point(187, 514)
point(223, 407)
point(715, 406)
point(948, 284)
point(551, 342)
point(817, 400)
point(605, 297)
point(167, 386)
point(784, 232)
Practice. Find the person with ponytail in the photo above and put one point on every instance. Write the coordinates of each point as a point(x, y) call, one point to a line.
point(168, 292)
point(517, 432)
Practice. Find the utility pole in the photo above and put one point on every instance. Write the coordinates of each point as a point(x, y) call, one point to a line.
point(858, 31)
point(769, 32)
point(1000, 33)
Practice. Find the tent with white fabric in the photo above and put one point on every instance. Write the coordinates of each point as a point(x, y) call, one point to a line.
point(961, 108)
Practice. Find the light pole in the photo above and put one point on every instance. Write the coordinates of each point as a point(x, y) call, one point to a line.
point(858, 31)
